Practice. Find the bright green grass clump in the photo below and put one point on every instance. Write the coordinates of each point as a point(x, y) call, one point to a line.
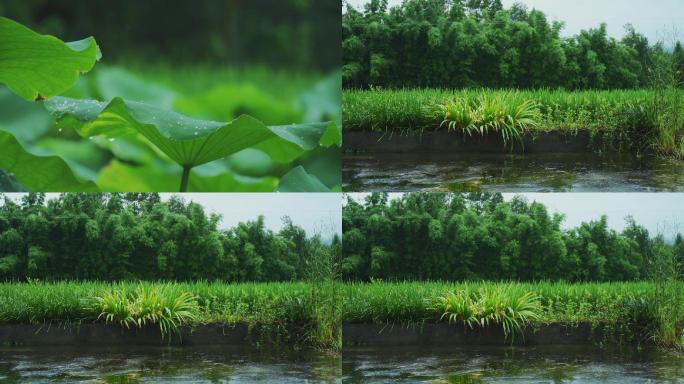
point(491, 305)
point(148, 305)
point(501, 113)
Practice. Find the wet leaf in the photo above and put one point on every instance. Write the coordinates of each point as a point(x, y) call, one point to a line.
point(39, 173)
point(36, 66)
point(187, 141)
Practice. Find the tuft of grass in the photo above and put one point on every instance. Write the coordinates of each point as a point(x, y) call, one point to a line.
point(148, 305)
point(498, 112)
point(491, 305)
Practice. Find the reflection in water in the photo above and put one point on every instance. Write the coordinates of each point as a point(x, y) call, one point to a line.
point(509, 365)
point(163, 364)
point(578, 172)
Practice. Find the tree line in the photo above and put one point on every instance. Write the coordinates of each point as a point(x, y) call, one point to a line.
point(114, 236)
point(443, 236)
point(478, 43)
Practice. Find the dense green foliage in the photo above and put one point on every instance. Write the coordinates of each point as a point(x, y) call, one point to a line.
point(481, 236)
point(231, 31)
point(469, 43)
point(137, 236)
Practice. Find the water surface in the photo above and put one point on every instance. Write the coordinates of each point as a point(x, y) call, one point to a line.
point(576, 172)
point(163, 365)
point(510, 365)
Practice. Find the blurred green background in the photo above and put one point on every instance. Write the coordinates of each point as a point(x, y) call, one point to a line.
point(276, 60)
point(301, 34)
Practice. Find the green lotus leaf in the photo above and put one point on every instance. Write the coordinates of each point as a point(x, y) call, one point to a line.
point(299, 180)
point(39, 173)
point(122, 177)
point(27, 121)
point(228, 101)
point(36, 66)
point(112, 82)
point(325, 164)
point(187, 141)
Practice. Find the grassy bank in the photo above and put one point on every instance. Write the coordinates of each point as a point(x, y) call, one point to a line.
point(628, 312)
point(625, 120)
point(271, 309)
point(640, 312)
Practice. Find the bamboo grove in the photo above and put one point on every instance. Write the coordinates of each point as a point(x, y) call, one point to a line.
point(479, 43)
point(98, 236)
point(453, 237)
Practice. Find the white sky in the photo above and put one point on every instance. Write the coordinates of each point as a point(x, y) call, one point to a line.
point(653, 18)
point(317, 213)
point(658, 212)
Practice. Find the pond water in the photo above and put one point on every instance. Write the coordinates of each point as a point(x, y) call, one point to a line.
point(576, 172)
point(510, 365)
point(163, 364)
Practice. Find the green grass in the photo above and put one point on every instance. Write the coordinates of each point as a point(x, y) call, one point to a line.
point(626, 310)
point(272, 309)
point(63, 302)
point(490, 305)
point(627, 119)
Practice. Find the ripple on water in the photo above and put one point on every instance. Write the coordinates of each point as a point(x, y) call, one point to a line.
point(510, 173)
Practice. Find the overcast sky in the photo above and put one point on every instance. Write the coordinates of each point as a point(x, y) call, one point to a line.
point(317, 213)
point(653, 18)
point(658, 212)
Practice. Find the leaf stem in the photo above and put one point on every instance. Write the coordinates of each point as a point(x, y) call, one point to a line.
point(185, 178)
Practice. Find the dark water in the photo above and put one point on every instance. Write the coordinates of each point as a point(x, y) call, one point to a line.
point(163, 365)
point(508, 365)
point(378, 365)
point(576, 172)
